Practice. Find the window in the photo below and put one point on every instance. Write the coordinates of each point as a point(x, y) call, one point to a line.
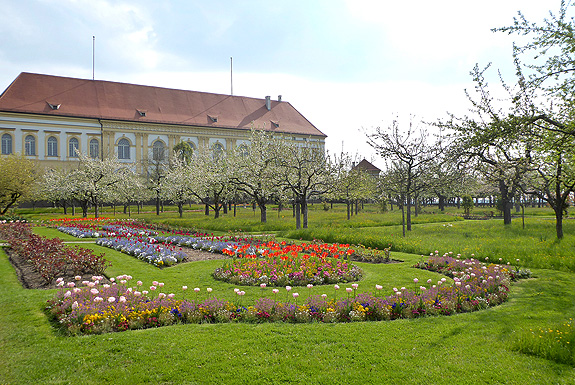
point(94, 148)
point(123, 149)
point(30, 145)
point(72, 147)
point(158, 151)
point(243, 150)
point(52, 146)
point(6, 144)
point(218, 151)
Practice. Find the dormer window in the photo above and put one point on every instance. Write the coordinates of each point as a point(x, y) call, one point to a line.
point(54, 106)
point(213, 119)
point(275, 124)
point(142, 112)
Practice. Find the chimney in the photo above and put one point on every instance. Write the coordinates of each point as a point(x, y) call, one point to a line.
point(279, 98)
point(269, 102)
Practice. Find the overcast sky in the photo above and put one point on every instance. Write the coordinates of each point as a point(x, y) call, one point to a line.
point(347, 65)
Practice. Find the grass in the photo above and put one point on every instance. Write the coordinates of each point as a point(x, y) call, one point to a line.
point(473, 348)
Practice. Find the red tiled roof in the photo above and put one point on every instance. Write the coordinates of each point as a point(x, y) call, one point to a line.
point(366, 166)
point(34, 93)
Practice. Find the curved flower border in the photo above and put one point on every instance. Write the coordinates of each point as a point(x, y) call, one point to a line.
point(91, 308)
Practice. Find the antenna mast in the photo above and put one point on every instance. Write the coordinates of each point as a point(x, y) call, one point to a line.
point(232, 75)
point(93, 55)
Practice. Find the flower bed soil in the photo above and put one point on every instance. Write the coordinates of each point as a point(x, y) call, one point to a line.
point(31, 279)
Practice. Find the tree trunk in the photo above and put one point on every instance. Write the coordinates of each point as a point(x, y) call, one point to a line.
point(225, 206)
point(181, 209)
point(441, 203)
point(506, 203)
point(348, 209)
point(157, 205)
point(207, 210)
point(408, 213)
point(304, 212)
point(263, 213)
point(559, 221)
point(297, 215)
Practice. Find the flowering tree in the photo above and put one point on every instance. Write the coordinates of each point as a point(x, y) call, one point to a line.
point(56, 187)
point(209, 179)
point(254, 170)
point(305, 171)
point(95, 180)
point(178, 183)
point(409, 153)
point(351, 183)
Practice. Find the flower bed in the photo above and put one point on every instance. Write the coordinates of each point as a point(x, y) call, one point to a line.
point(155, 254)
point(199, 243)
point(50, 257)
point(94, 308)
point(282, 264)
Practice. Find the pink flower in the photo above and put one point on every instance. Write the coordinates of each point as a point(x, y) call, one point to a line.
point(336, 287)
point(171, 295)
point(415, 280)
point(155, 283)
point(236, 290)
point(98, 299)
point(122, 299)
point(197, 289)
point(309, 285)
point(184, 288)
point(137, 294)
point(378, 287)
point(288, 288)
point(75, 305)
point(152, 288)
point(140, 283)
point(67, 294)
point(295, 295)
point(161, 295)
point(91, 284)
point(77, 278)
point(71, 284)
point(145, 292)
point(398, 293)
point(348, 289)
point(94, 291)
point(111, 299)
point(275, 291)
point(106, 286)
point(209, 289)
point(161, 284)
point(85, 283)
point(324, 296)
point(112, 279)
point(263, 285)
point(354, 285)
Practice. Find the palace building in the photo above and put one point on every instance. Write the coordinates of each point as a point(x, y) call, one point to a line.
point(46, 118)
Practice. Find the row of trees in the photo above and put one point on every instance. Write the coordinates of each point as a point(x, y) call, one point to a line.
point(269, 169)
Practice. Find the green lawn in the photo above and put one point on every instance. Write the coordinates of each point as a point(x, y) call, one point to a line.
point(472, 348)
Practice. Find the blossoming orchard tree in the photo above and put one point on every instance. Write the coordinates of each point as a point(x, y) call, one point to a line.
point(254, 170)
point(178, 183)
point(56, 187)
point(95, 181)
point(209, 179)
point(410, 156)
point(305, 171)
point(351, 184)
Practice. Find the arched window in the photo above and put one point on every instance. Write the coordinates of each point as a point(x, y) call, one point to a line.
point(6, 144)
point(158, 151)
point(30, 145)
point(94, 148)
point(52, 146)
point(243, 150)
point(72, 147)
point(218, 151)
point(123, 149)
